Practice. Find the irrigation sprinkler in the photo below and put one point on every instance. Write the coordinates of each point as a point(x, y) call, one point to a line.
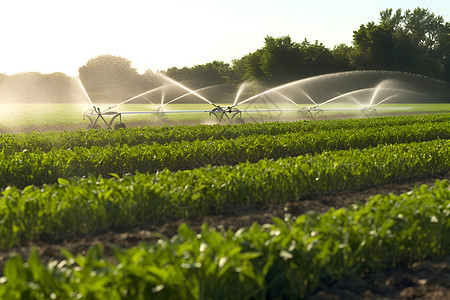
point(357, 94)
point(94, 115)
point(369, 111)
point(312, 111)
point(219, 112)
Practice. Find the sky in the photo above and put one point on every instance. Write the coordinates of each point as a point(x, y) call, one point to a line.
point(49, 36)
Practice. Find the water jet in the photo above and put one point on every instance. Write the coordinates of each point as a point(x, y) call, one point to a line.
point(365, 89)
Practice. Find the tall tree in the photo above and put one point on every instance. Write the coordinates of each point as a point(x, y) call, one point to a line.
point(316, 59)
point(252, 62)
point(424, 27)
point(109, 78)
point(216, 72)
point(443, 50)
point(239, 71)
point(411, 42)
point(390, 19)
point(281, 59)
point(373, 47)
point(341, 56)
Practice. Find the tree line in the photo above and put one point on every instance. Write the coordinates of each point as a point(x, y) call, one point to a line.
point(415, 41)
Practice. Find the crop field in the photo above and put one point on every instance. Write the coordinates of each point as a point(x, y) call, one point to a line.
point(77, 185)
point(47, 117)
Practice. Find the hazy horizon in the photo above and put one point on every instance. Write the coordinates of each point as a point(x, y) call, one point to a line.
point(60, 36)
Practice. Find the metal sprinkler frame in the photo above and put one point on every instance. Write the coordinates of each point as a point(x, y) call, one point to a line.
point(369, 111)
point(219, 112)
point(94, 115)
point(230, 113)
point(311, 111)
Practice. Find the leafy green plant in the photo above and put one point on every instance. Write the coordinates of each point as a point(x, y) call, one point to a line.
point(288, 259)
point(90, 204)
point(46, 141)
point(26, 168)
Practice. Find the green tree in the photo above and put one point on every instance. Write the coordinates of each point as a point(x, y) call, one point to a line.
point(424, 27)
point(182, 75)
point(403, 42)
point(420, 38)
point(281, 59)
point(316, 59)
point(390, 19)
point(238, 74)
point(341, 56)
point(216, 72)
point(211, 73)
point(443, 50)
point(252, 62)
point(374, 47)
point(109, 78)
point(214, 80)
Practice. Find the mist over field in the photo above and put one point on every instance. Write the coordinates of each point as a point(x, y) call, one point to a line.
point(414, 42)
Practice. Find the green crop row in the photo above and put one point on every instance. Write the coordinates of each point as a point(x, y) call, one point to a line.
point(26, 168)
point(32, 142)
point(81, 205)
point(287, 260)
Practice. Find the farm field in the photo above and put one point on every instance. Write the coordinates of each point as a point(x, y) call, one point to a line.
point(59, 117)
point(119, 188)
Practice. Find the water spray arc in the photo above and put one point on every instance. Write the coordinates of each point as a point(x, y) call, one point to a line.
point(190, 93)
point(289, 99)
point(309, 89)
point(135, 97)
point(267, 92)
point(185, 87)
point(80, 84)
point(218, 111)
point(94, 115)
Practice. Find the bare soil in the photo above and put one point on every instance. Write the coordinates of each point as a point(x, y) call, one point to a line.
point(422, 280)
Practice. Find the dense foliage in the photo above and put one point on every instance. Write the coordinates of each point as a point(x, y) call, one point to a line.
point(289, 259)
point(47, 141)
point(87, 182)
point(88, 204)
point(37, 167)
